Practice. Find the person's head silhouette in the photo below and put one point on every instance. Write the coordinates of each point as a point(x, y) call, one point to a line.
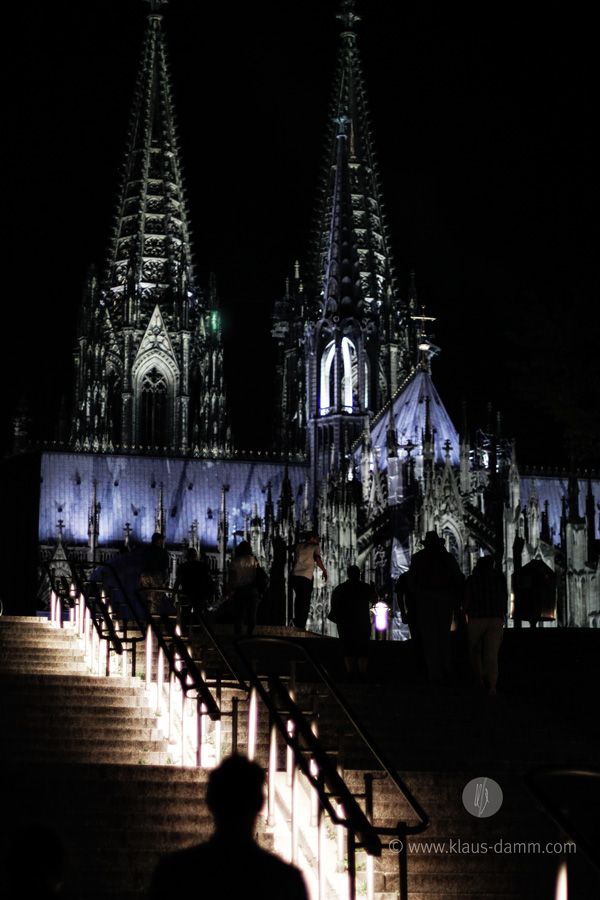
point(235, 794)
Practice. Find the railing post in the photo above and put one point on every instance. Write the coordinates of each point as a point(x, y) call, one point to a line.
point(272, 770)
point(81, 616)
point(340, 808)
point(234, 724)
point(294, 804)
point(252, 723)
point(171, 705)
point(183, 728)
point(369, 814)
point(160, 679)
point(86, 635)
point(321, 848)
point(149, 653)
point(402, 863)
point(314, 799)
point(218, 730)
point(200, 732)
point(351, 864)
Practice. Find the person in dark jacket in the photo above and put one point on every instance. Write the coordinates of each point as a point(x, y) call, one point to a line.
point(242, 587)
point(351, 604)
point(197, 588)
point(484, 605)
point(230, 865)
point(435, 580)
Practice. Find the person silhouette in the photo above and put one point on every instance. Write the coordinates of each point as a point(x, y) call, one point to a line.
point(230, 865)
point(351, 604)
point(436, 582)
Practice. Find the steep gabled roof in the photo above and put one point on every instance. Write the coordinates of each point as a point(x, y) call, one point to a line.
point(407, 412)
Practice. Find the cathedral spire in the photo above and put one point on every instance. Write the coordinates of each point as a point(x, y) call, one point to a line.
point(150, 258)
point(351, 203)
point(149, 361)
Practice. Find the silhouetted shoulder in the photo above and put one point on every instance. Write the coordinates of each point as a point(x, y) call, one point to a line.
point(216, 869)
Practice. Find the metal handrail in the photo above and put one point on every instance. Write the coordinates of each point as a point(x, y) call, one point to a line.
point(357, 725)
point(218, 645)
point(197, 681)
point(327, 781)
point(532, 780)
point(189, 669)
point(95, 606)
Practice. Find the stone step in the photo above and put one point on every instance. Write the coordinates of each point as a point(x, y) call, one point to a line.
point(76, 696)
point(120, 718)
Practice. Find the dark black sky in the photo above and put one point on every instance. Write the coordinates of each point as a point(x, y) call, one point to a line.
point(482, 117)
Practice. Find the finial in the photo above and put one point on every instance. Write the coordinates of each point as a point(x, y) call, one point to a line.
point(425, 347)
point(341, 121)
point(347, 15)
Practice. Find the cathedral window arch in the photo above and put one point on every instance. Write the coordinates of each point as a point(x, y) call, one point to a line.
point(154, 391)
point(350, 382)
point(453, 541)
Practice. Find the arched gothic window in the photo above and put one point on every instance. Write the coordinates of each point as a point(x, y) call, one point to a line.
point(153, 409)
point(349, 387)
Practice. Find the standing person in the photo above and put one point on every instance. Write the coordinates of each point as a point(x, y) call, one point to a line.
point(155, 572)
point(194, 581)
point(351, 604)
point(230, 865)
point(243, 588)
point(484, 605)
point(435, 579)
point(307, 555)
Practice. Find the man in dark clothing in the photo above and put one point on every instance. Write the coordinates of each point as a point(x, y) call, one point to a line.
point(351, 603)
point(194, 581)
point(230, 865)
point(484, 604)
point(435, 579)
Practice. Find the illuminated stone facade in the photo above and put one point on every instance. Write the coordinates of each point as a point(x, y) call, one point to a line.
point(364, 449)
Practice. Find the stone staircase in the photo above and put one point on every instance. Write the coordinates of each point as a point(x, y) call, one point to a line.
point(91, 763)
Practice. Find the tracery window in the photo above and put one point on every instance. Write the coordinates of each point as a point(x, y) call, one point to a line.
point(350, 396)
point(153, 409)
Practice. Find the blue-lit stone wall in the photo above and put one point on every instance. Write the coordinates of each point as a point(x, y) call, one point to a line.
point(127, 489)
point(552, 489)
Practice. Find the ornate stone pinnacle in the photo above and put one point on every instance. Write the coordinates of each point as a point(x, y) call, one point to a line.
point(347, 15)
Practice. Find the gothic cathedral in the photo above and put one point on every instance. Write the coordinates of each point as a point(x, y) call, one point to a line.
point(364, 450)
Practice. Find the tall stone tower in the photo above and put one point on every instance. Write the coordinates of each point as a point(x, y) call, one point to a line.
point(345, 338)
point(149, 358)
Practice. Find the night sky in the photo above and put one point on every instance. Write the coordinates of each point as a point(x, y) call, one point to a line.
point(482, 118)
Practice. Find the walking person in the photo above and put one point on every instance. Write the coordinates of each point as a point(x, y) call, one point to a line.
point(307, 555)
point(484, 606)
point(245, 586)
point(435, 580)
point(196, 585)
point(351, 604)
